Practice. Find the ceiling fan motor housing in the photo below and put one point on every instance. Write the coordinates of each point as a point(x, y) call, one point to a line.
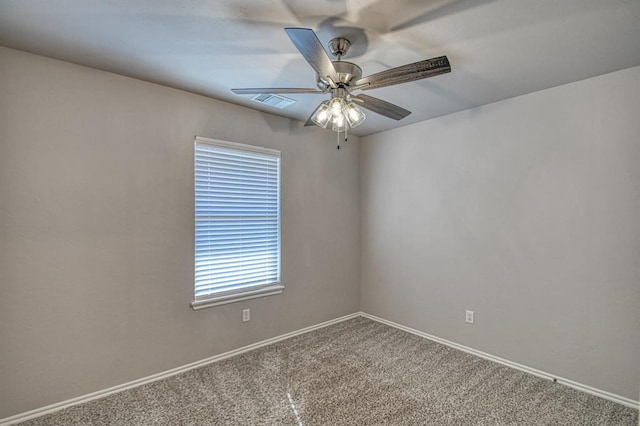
point(347, 72)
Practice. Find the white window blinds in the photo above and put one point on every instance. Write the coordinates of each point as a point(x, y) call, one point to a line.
point(237, 218)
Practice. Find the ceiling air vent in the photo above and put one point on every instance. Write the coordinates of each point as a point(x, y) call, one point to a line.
point(276, 101)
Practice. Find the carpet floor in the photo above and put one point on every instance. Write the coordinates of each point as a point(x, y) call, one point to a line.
point(358, 372)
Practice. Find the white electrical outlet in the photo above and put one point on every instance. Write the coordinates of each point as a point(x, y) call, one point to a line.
point(246, 315)
point(469, 317)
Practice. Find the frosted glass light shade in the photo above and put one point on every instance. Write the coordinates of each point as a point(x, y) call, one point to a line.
point(337, 106)
point(322, 115)
point(354, 114)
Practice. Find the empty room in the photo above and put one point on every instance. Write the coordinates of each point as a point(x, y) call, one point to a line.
point(331, 212)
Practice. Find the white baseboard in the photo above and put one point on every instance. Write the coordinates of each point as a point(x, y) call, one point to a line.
point(163, 375)
point(573, 384)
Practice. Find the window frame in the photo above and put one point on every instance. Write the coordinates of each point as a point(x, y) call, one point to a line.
point(236, 295)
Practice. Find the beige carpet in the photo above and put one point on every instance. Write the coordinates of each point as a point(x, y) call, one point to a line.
point(358, 372)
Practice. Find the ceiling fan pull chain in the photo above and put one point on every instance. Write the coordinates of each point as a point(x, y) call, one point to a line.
point(345, 136)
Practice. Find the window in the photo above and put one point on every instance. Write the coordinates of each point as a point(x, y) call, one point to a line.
point(237, 222)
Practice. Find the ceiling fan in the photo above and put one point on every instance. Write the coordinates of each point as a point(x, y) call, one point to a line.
point(341, 78)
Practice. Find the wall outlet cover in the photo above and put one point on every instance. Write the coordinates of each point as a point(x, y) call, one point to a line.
point(469, 317)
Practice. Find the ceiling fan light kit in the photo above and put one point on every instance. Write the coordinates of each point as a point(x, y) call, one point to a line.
point(340, 111)
point(343, 111)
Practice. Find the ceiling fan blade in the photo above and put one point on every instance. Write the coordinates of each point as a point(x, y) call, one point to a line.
point(310, 47)
point(381, 107)
point(438, 9)
point(405, 73)
point(262, 90)
point(309, 122)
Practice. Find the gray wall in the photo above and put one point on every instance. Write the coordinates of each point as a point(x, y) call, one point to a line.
point(525, 211)
point(96, 230)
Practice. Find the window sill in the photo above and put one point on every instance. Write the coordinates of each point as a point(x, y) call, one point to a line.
point(231, 298)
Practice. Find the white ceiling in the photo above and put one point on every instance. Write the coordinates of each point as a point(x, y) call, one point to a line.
point(497, 48)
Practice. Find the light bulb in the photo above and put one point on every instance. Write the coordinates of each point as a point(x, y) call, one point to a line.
point(323, 115)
